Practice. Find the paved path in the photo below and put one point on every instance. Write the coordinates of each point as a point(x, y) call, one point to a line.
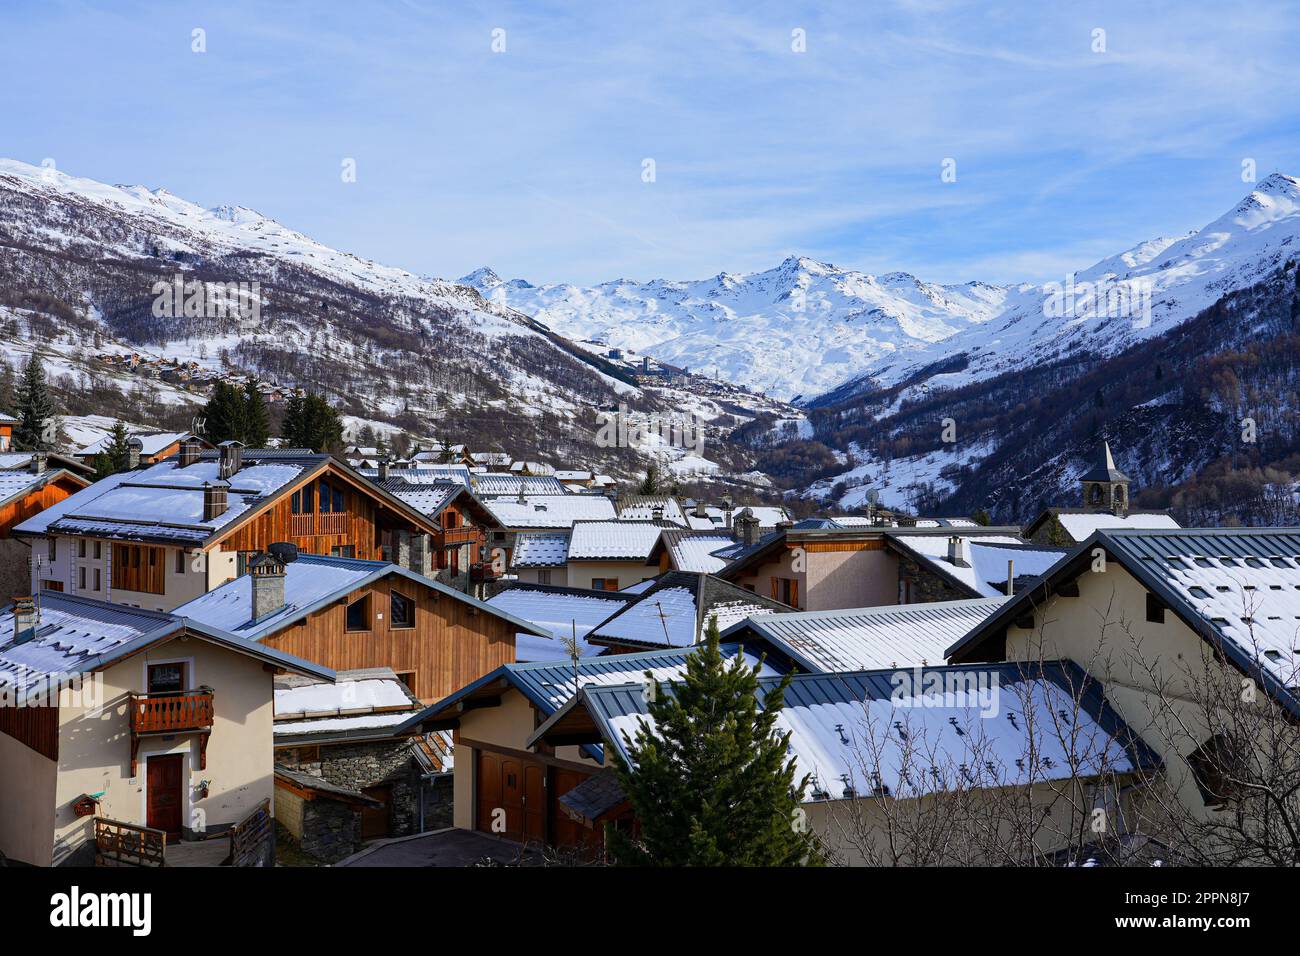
point(442, 848)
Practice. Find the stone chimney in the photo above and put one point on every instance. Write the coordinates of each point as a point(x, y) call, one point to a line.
point(266, 578)
point(39, 461)
point(214, 500)
point(746, 527)
point(26, 619)
point(231, 460)
point(402, 542)
point(383, 469)
point(134, 446)
point(957, 552)
point(700, 510)
point(188, 454)
point(422, 555)
point(657, 513)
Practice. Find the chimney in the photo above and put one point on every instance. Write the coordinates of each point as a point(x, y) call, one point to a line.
point(26, 619)
point(657, 513)
point(383, 469)
point(266, 578)
point(957, 552)
point(422, 555)
point(232, 455)
point(402, 558)
point(700, 510)
point(214, 500)
point(746, 528)
point(1011, 578)
point(189, 453)
point(134, 446)
point(39, 460)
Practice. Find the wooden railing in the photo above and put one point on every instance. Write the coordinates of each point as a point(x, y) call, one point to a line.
point(457, 536)
point(125, 844)
point(302, 526)
point(169, 713)
point(250, 836)
point(307, 525)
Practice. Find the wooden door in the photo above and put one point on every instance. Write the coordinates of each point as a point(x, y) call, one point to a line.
point(165, 800)
point(376, 822)
point(565, 831)
point(534, 802)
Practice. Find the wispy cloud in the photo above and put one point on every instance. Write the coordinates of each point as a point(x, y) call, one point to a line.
point(531, 160)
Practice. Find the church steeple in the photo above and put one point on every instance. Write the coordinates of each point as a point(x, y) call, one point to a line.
point(1105, 487)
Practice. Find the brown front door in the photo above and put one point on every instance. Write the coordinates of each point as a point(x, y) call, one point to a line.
point(165, 800)
point(375, 821)
point(565, 831)
point(511, 791)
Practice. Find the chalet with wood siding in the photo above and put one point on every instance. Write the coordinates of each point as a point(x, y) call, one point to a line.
point(134, 727)
point(164, 534)
point(349, 614)
point(24, 492)
point(147, 448)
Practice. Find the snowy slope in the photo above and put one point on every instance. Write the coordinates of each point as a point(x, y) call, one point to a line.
point(805, 327)
point(800, 328)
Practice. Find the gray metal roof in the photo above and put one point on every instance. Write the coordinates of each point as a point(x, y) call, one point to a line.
point(869, 638)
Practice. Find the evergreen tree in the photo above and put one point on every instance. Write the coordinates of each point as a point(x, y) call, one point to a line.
point(257, 422)
point(35, 409)
point(224, 414)
point(711, 784)
point(116, 455)
point(311, 422)
point(982, 517)
point(650, 483)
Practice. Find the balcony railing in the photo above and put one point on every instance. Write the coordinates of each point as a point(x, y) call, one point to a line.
point(188, 711)
point(169, 713)
point(458, 536)
point(306, 525)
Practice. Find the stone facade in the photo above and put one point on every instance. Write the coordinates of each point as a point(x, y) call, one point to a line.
point(925, 586)
point(327, 830)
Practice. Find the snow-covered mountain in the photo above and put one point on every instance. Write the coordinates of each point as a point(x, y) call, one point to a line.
point(81, 264)
point(798, 329)
point(805, 328)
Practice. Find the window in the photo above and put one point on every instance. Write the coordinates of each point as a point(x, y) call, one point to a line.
point(48, 585)
point(402, 611)
point(301, 502)
point(53, 549)
point(325, 499)
point(544, 576)
point(81, 579)
point(338, 501)
point(358, 616)
point(604, 584)
point(408, 679)
point(1155, 609)
point(81, 548)
point(166, 678)
point(1213, 766)
point(98, 553)
point(451, 519)
point(343, 551)
point(97, 580)
point(180, 561)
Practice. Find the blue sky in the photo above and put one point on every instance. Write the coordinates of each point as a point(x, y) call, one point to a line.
point(530, 160)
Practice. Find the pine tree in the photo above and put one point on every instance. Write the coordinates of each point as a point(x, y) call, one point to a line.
point(650, 483)
point(711, 783)
point(257, 423)
point(116, 455)
point(35, 409)
point(223, 416)
point(311, 422)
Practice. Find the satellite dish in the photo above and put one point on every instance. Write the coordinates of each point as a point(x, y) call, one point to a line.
point(286, 552)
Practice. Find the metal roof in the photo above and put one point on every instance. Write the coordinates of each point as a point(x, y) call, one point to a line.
point(1239, 587)
point(845, 725)
point(868, 638)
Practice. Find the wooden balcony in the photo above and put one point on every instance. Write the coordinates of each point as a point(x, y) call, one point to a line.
point(454, 537)
point(189, 711)
point(307, 525)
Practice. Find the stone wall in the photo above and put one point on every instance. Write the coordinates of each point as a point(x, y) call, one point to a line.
point(927, 586)
point(15, 570)
point(361, 765)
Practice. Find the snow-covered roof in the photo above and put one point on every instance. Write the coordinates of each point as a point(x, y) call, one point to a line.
point(615, 540)
point(549, 511)
point(643, 507)
point(985, 557)
point(425, 497)
point(19, 484)
point(695, 551)
point(540, 549)
point(573, 476)
point(358, 703)
point(853, 639)
point(424, 473)
point(1003, 731)
point(310, 582)
point(502, 485)
point(566, 612)
point(164, 502)
point(1080, 526)
point(675, 612)
point(77, 635)
point(152, 443)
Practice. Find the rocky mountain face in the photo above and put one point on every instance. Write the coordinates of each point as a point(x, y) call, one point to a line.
point(87, 268)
